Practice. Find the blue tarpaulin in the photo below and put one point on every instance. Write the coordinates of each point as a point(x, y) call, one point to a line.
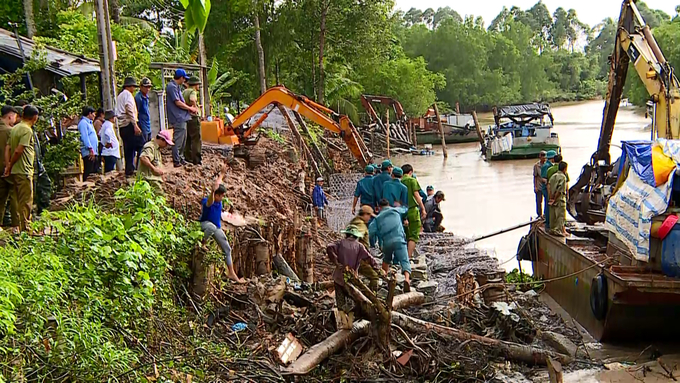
point(639, 156)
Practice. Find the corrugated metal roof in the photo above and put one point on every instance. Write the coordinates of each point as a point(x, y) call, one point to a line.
point(60, 62)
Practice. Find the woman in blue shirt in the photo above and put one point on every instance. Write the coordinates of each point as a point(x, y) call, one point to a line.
point(211, 222)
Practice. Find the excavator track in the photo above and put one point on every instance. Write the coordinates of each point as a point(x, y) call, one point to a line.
point(257, 157)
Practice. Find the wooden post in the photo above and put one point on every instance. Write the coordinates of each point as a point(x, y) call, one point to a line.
point(262, 261)
point(441, 130)
point(479, 130)
point(457, 107)
point(202, 275)
point(387, 128)
point(305, 258)
point(413, 133)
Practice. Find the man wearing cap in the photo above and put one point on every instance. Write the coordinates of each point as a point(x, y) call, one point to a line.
point(178, 113)
point(319, 200)
point(364, 191)
point(395, 192)
point(430, 193)
point(143, 114)
point(110, 146)
point(151, 161)
point(544, 174)
point(347, 254)
point(388, 228)
point(380, 179)
point(21, 154)
point(416, 209)
point(555, 168)
point(130, 132)
point(8, 117)
point(211, 222)
point(361, 222)
point(433, 213)
point(192, 152)
point(89, 142)
point(539, 182)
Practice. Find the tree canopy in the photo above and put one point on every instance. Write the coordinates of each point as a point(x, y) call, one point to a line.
point(335, 50)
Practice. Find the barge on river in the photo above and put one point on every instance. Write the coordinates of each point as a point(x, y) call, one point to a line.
point(598, 283)
point(458, 128)
point(520, 131)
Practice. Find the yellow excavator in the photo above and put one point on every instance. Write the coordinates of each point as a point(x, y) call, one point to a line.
point(634, 45)
point(242, 131)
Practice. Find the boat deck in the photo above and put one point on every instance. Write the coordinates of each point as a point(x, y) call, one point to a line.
point(596, 252)
point(640, 299)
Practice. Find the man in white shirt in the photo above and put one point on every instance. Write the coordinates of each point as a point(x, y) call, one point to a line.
point(130, 132)
point(110, 145)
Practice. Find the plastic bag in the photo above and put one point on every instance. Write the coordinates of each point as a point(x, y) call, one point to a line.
point(663, 165)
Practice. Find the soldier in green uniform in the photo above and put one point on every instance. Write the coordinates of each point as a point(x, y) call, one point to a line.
point(151, 161)
point(557, 187)
point(416, 209)
point(192, 151)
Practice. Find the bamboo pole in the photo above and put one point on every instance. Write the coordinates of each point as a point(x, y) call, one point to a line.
point(387, 136)
point(441, 130)
point(479, 130)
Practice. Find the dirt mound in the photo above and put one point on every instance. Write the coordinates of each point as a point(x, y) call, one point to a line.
point(273, 197)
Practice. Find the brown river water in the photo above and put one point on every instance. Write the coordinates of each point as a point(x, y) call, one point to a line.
point(483, 196)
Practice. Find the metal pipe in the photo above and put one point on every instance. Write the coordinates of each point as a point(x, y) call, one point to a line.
point(23, 55)
point(503, 231)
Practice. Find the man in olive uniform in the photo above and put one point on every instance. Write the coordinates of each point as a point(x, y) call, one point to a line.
point(192, 151)
point(558, 200)
point(8, 117)
point(21, 154)
point(151, 161)
point(416, 209)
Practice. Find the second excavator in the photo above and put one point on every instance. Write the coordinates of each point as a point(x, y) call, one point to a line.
point(242, 129)
point(634, 45)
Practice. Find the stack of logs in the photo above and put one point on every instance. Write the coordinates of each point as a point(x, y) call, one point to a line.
point(401, 136)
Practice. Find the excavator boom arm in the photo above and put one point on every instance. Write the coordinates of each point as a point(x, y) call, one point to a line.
point(280, 95)
point(367, 99)
point(635, 44)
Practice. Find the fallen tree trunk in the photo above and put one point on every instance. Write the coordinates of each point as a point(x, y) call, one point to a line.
point(334, 343)
point(513, 351)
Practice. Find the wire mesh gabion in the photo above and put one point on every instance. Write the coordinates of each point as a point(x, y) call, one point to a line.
point(341, 186)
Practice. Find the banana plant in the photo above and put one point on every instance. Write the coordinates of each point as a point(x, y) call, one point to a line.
point(219, 85)
point(196, 14)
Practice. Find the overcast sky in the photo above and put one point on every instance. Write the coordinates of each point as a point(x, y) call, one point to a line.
point(588, 11)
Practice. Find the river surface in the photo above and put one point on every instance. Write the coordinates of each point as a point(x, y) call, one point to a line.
point(483, 197)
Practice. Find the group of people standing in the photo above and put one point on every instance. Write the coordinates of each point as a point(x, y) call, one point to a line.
point(550, 187)
point(403, 211)
point(99, 141)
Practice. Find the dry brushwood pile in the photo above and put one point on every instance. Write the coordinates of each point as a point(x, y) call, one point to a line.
point(281, 323)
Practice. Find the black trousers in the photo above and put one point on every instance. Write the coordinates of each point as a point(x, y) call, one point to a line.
point(132, 146)
point(90, 166)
